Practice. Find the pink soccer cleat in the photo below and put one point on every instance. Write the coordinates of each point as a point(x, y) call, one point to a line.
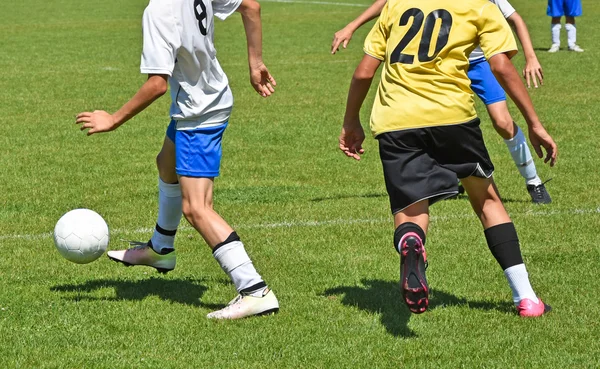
point(413, 262)
point(528, 308)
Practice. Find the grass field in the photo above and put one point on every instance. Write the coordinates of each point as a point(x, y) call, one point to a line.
point(316, 224)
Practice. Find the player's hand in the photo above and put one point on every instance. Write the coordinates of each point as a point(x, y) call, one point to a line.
point(532, 73)
point(343, 37)
point(351, 139)
point(261, 80)
point(96, 122)
point(540, 138)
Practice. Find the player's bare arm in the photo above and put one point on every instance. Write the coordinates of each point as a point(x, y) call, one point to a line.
point(344, 35)
point(262, 81)
point(101, 121)
point(353, 135)
point(533, 70)
point(507, 75)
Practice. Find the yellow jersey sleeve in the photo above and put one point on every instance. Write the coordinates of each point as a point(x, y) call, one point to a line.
point(376, 42)
point(495, 35)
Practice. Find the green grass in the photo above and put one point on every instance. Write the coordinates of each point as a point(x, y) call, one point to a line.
point(316, 224)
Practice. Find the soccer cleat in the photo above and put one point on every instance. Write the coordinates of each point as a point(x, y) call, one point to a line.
point(527, 308)
point(539, 194)
point(575, 48)
point(554, 48)
point(144, 254)
point(243, 306)
point(413, 262)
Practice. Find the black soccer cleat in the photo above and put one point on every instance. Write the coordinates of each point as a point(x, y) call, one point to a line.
point(539, 194)
point(413, 262)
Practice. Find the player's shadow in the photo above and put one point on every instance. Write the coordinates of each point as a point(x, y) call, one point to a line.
point(182, 291)
point(384, 298)
point(349, 196)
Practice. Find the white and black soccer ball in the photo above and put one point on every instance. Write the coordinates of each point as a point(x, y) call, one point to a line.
point(81, 236)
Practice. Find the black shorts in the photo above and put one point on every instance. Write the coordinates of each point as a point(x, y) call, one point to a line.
point(425, 163)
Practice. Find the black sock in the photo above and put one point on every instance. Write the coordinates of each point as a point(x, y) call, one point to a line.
point(405, 228)
point(503, 242)
point(232, 237)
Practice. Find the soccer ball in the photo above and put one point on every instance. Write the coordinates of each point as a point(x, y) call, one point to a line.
point(81, 236)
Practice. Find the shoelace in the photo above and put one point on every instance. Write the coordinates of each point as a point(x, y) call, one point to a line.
point(539, 189)
point(235, 300)
point(136, 244)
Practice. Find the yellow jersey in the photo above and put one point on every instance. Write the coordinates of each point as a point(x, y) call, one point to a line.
point(425, 47)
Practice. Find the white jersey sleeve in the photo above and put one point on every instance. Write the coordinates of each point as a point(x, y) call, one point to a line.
point(161, 39)
point(224, 8)
point(507, 10)
point(505, 7)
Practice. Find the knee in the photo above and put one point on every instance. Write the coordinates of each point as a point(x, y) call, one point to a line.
point(166, 171)
point(194, 210)
point(504, 125)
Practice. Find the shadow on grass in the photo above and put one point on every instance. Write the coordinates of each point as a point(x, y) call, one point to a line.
point(342, 197)
point(384, 297)
point(182, 291)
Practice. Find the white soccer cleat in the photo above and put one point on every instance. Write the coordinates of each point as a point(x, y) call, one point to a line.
point(244, 306)
point(554, 48)
point(575, 48)
point(144, 254)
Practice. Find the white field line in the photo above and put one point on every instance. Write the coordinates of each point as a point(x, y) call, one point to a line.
point(316, 3)
point(320, 223)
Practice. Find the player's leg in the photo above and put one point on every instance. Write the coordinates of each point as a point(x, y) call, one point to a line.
point(462, 150)
point(555, 10)
point(198, 162)
point(159, 252)
point(516, 143)
point(169, 198)
point(413, 181)
point(555, 27)
point(503, 242)
point(572, 10)
point(409, 240)
point(254, 296)
point(485, 85)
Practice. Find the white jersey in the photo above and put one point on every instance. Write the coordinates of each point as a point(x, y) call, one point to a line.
point(507, 10)
point(178, 41)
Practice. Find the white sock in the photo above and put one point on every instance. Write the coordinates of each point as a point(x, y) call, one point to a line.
point(517, 146)
point(234, 261)
point(571, 34)
point(555, 29)
point(169, 215)
point(518, 280)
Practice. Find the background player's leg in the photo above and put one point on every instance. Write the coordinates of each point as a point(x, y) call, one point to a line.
point(519, 150)
point(515, 141)
point(503, 242)
point(409, 240)
point(555, 27)
point(572, 34)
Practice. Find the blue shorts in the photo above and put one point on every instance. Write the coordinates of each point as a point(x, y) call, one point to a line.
point(484, 83)
point(197, 151)
point(569, 8)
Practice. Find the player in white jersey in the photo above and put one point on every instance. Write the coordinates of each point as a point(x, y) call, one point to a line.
point(178, 50)
point(485, 85)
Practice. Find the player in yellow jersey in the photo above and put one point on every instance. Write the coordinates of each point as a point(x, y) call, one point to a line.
point(485, 86)
point(428, 132)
